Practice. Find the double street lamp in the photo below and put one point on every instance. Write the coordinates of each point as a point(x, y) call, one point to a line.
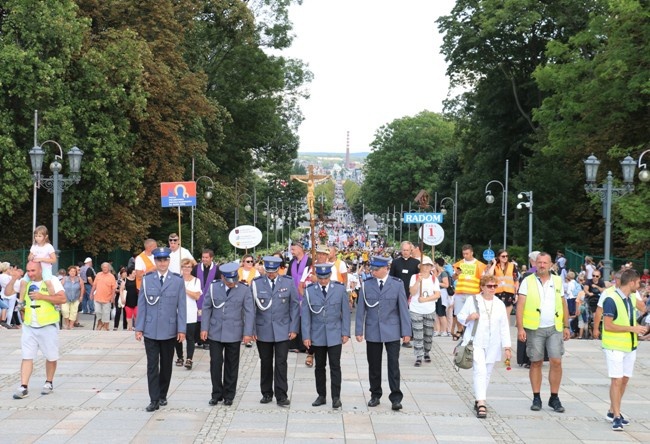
point(55, 184)
point(607, 192)
point(489, 198)
point(527, 204)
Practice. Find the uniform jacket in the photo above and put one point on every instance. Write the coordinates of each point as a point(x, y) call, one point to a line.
point(277, 313)
point(325, 319)
point(162, 311)
point(228, 318)
point(383, 315)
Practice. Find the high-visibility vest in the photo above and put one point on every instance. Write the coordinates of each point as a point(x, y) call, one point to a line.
point(532, 310)
point(470, 277)
point(505, 281)
point(148, 266)
point(625, 341)
point(45, 313)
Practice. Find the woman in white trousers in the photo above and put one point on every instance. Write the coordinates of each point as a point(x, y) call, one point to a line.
point(492, 334)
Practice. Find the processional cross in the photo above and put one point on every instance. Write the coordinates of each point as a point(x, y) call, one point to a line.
point(311, 179)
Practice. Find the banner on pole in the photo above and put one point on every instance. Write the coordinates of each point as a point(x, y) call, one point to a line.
point(178, 194)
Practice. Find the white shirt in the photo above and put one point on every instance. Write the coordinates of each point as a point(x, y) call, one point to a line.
point(493, 330)
point(429, 286)
point(175, 259)
point(43, 252)
point(192, 308)
point(139, 262)
point(547, 302)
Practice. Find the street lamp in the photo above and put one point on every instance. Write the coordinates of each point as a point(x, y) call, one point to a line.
point(208, 195)
point(644, 174)
point(606, 193)
point(55, 184)
point(529, 205)
point(443, 210)
point(489, 198)
point(265, 213)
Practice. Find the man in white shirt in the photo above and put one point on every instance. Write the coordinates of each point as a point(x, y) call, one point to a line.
point(178, 254)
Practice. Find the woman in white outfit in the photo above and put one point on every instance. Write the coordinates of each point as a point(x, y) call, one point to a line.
point(492, 334)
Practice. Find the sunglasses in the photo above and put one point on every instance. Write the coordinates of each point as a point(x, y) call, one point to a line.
point(188, 266)
point(504, 255)
point(173, 240)
point(248, 262)
point(492, 286)
point(595, 275)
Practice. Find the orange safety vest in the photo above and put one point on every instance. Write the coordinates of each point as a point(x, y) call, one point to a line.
point(148, 266)
point(249, 278)
point(505, 281)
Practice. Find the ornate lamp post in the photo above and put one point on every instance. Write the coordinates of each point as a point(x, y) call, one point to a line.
point(489, 198)
point(55, 184)
point(208, 195)
point(607, 193)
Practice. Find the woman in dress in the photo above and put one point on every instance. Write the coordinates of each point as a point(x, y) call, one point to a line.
point(492, 334)
point(129, 289)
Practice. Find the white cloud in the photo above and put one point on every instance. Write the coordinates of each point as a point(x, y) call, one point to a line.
point(373, 61)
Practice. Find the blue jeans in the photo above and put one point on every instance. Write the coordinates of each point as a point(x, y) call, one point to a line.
point(87, 306)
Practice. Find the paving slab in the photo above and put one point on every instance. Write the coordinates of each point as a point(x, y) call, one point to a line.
point(100, 391)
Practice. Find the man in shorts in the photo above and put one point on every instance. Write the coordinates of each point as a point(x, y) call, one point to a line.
point(40, 324)
point(543, 321)
point(620, 340)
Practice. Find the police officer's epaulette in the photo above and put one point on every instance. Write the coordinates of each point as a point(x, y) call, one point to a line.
point(259, 277)
point(368, 279)
point(396, 279)
point(336, 282)
point(151, 272)
point(176, 274)
point(244, 283)
point(311, 284)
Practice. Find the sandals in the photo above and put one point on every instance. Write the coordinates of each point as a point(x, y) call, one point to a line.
point(188, 364)
point(309, 360)
point(481, 411)
point(456, 336)
point(179, 362)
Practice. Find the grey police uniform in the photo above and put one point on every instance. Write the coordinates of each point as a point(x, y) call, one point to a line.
point(162, 314)
point(228, 316)
point(383, 316)
point(325, 320)
point(277, 313)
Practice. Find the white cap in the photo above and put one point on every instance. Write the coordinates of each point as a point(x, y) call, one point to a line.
point(88, 260)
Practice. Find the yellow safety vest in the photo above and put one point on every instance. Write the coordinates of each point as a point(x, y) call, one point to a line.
point(470, 277)
point(505, 280)
point(625, 341)
point(532, 313)
point(44, 314)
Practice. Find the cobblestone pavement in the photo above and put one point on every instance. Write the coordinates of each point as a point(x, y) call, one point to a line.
point(100, 392)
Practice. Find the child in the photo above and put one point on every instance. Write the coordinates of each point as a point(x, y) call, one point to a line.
point(43, 252)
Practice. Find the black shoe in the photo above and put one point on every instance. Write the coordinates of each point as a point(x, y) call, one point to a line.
point(284, 402)
point(206, 346)
point(537, 404)
point(374, 402)
point(407, 345)
point(397, 406)
point(556, 405)
point(427, 358)
point(162, 402)
point(249, 345)
point(153, 406)
point(227, 402)
point(319, 401)
point(214, 401)
point(266, 399)
point(336, 403)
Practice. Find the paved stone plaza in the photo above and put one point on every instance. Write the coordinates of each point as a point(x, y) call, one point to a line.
point(101, 391)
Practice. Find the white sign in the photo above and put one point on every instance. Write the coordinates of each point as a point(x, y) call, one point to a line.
point(422, 218)
point(245, 236)
point(433, 234)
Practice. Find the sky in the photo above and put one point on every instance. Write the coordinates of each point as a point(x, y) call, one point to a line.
point(373, 61)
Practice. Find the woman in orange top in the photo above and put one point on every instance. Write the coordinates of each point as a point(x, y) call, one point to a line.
point(507, 279)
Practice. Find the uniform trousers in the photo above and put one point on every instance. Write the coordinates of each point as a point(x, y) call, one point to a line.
point(321, 354)
point(160, 354)
point(270, 376)
point(374, 352)
point(224, 368)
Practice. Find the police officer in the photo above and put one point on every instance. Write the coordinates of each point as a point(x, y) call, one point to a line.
point(162, 315)
point(383, 315)
point(228, 317)
point(277, 319)
point(325, 328)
